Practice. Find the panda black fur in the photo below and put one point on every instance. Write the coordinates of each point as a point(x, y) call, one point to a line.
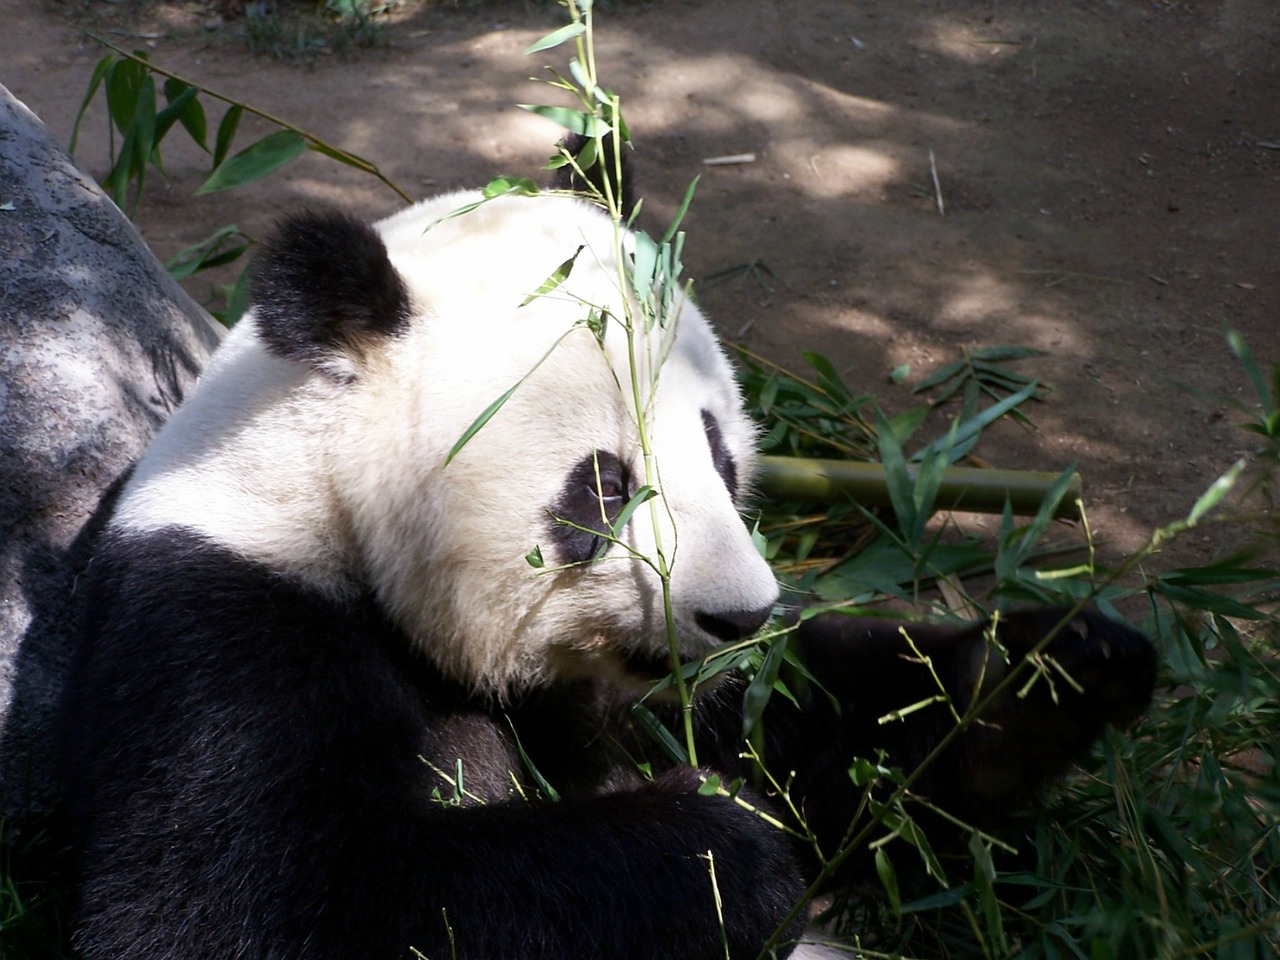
point(319, 669)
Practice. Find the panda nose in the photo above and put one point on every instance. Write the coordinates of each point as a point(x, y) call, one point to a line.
point(730, 625)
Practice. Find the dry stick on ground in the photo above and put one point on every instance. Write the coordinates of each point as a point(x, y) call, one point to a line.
point(937, 185)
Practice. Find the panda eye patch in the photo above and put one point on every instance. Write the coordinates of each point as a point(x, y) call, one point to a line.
point(591, 497)
point(720, 455)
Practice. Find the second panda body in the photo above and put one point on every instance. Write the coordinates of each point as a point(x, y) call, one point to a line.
point(327, 707)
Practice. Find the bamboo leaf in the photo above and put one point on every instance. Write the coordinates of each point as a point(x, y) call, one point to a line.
point(539, 780)
point(237, 297)
point(488, 413)
point(643, 495)
point(191, 116)
point(940, 375)
point(485, 416)
point(888, 880)
point(557, 277)
point(644, 266)
point(256, 161)
point(226, 133)
point(971, 428)
point(1004, 354)
point(557, 37)
point(650, 723)
point(828, 378)
point(1243, 354)
point(342, 156)
point(897, 479)
point(124, 80)
point(95, 80)
point(1213, 496)
point(681, 210)
point(207, 253)
point(760, 690)
point(1212, 602)
point(575, 121)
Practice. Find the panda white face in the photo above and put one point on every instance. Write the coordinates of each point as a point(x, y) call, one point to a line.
point(342, 393)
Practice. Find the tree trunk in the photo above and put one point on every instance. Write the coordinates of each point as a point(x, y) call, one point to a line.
point(97, 346)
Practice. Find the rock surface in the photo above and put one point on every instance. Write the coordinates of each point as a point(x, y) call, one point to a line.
point(97, 346)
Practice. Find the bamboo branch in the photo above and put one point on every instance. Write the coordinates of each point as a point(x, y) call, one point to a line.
point(313, 142)
point(963, 488)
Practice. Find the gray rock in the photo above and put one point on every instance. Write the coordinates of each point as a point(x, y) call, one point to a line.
point(97, 346)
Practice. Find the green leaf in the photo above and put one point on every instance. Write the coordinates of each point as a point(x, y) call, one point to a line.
point(539, 780)
point(864, 772)
point(681, 211)
point(940, 375)
point(1242, 353)
point(124, 80)
point(209, 252)
point(575, 121)
point(95, 80)
point(256, 161)
point(643, 495)
point(558, 276)
point(499, 187)
point(644, 266)
point(557, 37)
point(710, 787)
point(828, 378)
point(1219, 573)
point(1212, 602)
point(226, 133)
point(237, 297)
point(144, 129)
point(485, 416)
point(1217, 490)
point(184, 106)
point(534, 558)
point(897, 479)
point(888, 880)
point(651, 725)
point(970, 429)
point(488, 413)
point(760, 690)
point(1004, 354)
point(341, 156)
point(588, 155)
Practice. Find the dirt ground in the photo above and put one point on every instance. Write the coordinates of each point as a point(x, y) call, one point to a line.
point(1109, 170)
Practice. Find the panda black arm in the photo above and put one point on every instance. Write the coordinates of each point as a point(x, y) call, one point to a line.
point(996, 766)
point(246, 780)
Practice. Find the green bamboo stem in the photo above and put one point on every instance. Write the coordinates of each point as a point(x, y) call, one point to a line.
point(969, 489)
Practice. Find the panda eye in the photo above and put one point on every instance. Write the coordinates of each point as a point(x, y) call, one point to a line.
point(588, 503)
point(609, 490)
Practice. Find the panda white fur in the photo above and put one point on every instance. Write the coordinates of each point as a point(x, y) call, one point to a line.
point(319, 671)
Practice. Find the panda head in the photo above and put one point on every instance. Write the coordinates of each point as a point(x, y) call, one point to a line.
point(331, 411)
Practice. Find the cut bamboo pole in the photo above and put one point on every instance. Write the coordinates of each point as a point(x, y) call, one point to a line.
point(971, 489)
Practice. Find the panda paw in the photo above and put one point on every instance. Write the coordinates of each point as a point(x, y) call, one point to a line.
point(1092, 673)
point(1092, 664)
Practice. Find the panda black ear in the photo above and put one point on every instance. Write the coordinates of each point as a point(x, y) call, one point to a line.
point(323, 284)
point(604, 167)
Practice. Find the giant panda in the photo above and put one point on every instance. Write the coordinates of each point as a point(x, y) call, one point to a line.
point(333, 703)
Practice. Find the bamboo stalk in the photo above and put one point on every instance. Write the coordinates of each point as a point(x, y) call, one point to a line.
point(963, 488)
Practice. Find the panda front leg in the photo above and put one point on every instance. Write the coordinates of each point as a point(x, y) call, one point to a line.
point(893, 681)
point(658, 871)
